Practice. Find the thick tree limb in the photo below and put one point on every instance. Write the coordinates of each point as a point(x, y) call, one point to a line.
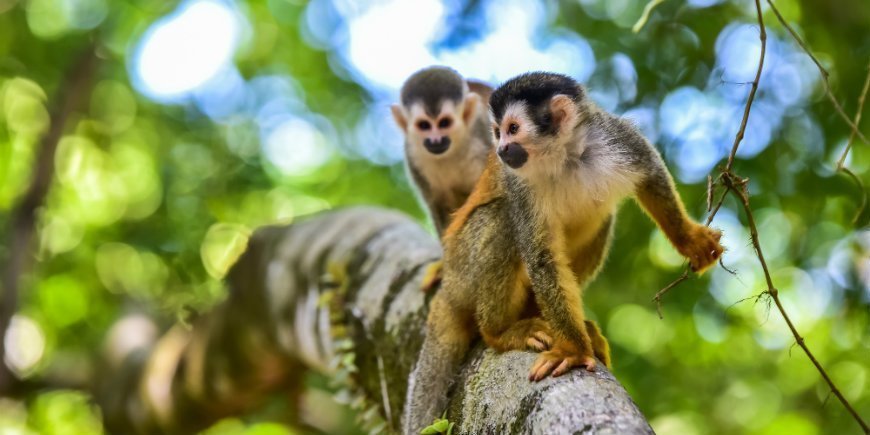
point(340, 293)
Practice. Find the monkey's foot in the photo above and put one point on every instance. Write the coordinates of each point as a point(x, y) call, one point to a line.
point(600, 347)
point(702, 248)
point(432, 277)
point(539, 341)
point(557, 362)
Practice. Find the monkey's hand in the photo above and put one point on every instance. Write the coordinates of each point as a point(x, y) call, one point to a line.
point(432, 277)
point(701, 247)
point(558, 360)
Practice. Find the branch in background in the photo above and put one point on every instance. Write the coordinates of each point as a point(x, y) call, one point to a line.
point(853, 125)
point(72, 91)
point(841, 163)
point(857, 120)
point(822, 70)
point(644, 17)
point(739, 187)
point(740, 132)
point(340, 293)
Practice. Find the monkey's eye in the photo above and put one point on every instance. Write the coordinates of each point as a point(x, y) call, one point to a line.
point(497, 132)
point(513, 128)
point(424, 125)
point(444, 123)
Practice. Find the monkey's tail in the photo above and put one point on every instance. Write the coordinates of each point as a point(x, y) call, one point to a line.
point(431, 379)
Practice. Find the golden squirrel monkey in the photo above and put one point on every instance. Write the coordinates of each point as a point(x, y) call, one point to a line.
point(536, 229)
point(446, 124)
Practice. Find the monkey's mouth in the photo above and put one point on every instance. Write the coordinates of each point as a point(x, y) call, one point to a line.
point(437, 146)
point(513, 155)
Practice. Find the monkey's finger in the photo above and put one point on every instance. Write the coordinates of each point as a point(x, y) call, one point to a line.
point(540, 371)
point(562, 368)
point(536, 344)
point(543, 338)
point(589, 362)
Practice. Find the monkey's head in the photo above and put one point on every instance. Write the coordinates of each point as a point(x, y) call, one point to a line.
point(436, 110)
point(535, 119)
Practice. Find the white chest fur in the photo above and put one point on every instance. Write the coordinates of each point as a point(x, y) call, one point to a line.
point(588, 190)
point(455, 171)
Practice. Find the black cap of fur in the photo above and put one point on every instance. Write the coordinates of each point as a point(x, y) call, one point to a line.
point(432, 86)
point(535, 89)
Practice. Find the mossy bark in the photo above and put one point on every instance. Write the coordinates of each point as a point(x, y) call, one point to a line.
point(340, 293)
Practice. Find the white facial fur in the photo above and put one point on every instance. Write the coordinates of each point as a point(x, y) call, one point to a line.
point(547, 154)
point(569, 186)
point(456, 169)
point(456, 130)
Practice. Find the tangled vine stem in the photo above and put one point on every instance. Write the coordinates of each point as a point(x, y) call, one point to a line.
point(737, 185)
point(741, 191)
point(853, 125)
point(822, 70)
point(841, 164)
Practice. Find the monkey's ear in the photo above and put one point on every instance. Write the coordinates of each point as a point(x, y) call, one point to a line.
point(471, 102)
point(399, 117)
point(563, 111)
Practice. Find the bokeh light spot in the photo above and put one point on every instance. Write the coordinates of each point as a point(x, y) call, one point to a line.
point(184, 50)
point(25, 344)
point(223, 244)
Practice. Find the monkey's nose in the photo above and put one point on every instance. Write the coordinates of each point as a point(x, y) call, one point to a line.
point(513, 155)
point(437, 146)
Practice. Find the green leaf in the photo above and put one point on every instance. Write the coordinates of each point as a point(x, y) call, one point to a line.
point(441, 425)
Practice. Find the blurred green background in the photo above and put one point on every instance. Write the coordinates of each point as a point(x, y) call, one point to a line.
point(209, 118)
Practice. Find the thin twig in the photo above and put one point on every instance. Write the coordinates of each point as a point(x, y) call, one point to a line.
point(658, 297)
point(709, 193)
point(644, 17)
point(822, 70)
point(860, 184)
point(742, 130)
point(841, 164)
point(716, 208)
point(857, 121)
point(743, 195)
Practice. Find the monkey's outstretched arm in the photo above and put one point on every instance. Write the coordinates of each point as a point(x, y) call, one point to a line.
point(656, 193)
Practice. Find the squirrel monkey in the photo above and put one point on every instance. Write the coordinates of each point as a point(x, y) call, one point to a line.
point(536, 229)
point(447, 137)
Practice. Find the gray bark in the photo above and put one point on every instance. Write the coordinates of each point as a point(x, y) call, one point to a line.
point(340, 293)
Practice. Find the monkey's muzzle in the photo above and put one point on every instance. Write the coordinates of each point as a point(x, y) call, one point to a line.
point(513, 155)
point(437, 146)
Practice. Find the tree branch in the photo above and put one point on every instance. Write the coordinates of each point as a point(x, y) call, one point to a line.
point(75, 88)
point(340, 293)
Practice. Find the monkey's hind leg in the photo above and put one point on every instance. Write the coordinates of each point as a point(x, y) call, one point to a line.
point(600, 347)
point(448, 337)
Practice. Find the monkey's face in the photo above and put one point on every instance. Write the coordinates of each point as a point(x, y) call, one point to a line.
point(439, 134)
point(535, 140)
point(435, 133)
